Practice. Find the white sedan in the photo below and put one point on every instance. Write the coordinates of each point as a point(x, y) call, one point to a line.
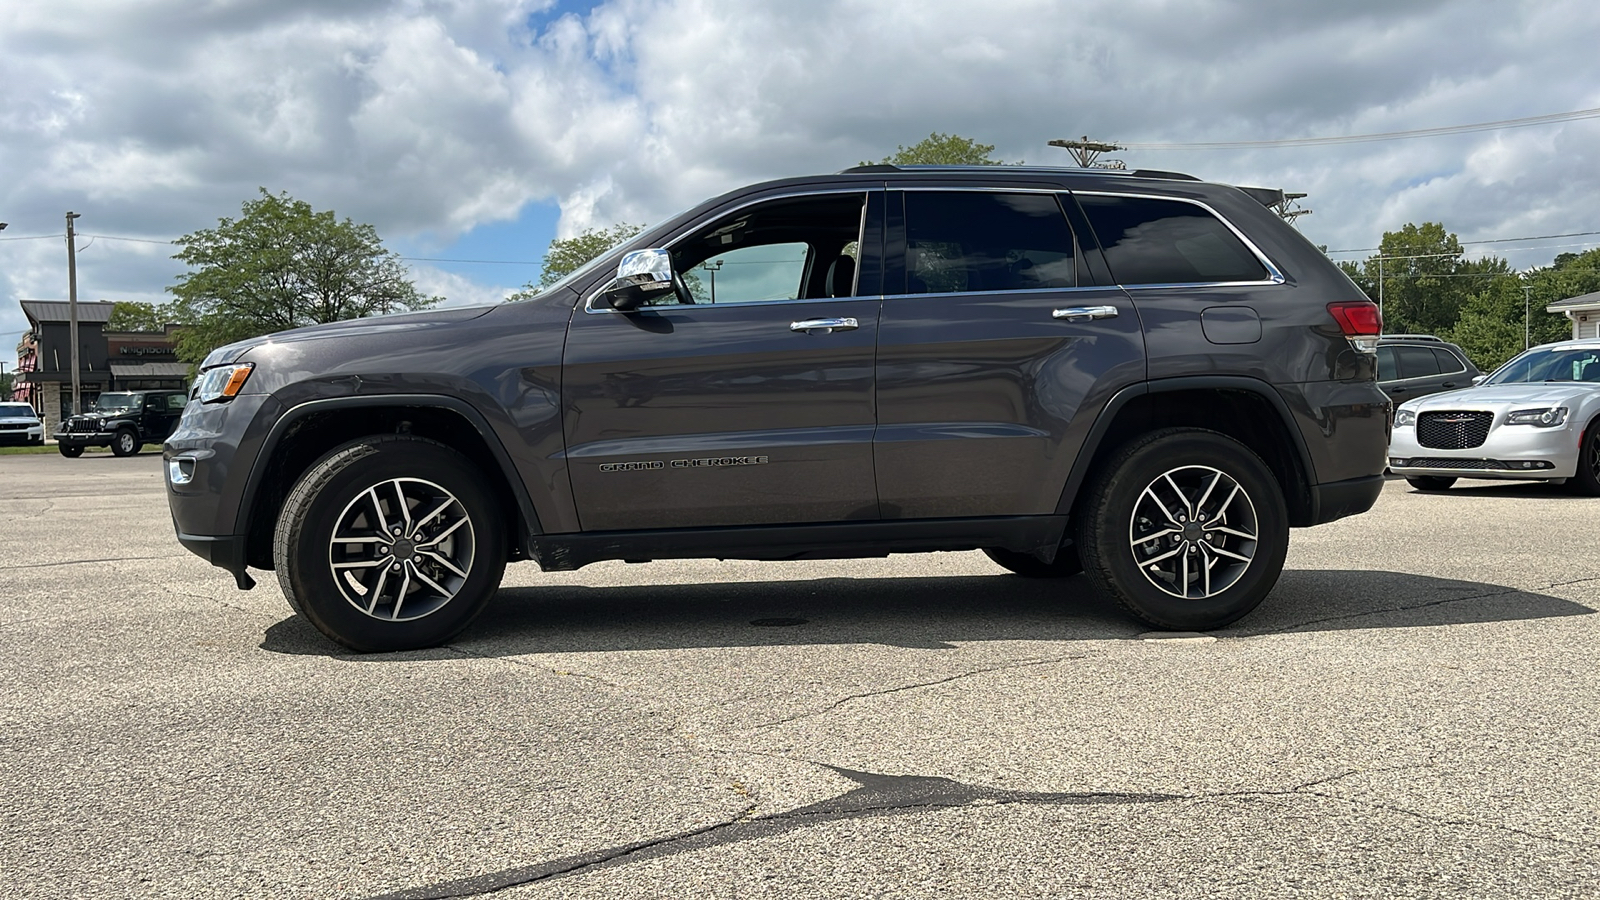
point(1534, 419)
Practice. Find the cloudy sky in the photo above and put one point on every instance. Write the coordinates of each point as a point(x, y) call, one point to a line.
point(471, 132)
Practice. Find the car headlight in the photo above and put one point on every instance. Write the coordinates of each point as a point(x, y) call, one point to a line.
point(1405, 418)
point(223, 382)
point(1547, 417)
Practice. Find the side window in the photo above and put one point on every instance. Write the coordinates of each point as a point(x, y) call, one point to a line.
point(786, 249)
point(1448, 364)
point(1148, 240)
point(1386, 367)
point(177, 401)
point(1417, 362)
point(986, 241)
point(763, 272)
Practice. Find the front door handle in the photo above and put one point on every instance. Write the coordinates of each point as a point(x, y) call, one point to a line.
point(824, 326)
point(1448, 384)
point(1085, 313)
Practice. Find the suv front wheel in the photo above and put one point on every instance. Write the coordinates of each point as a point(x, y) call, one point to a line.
point(390, 543)
point(1185, 528)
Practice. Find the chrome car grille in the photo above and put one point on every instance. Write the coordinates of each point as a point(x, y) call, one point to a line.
point(1453, 430)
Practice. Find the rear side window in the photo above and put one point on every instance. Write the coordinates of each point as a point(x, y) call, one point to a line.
point(1448, 363)
point(1153, 241)
point(959, 241)
point(1417, 362)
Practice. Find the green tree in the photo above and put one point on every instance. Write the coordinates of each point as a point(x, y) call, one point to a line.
point(1426, 280)
point(568, 255)
point(943, 150)
point(135, 316)
point(282, 265)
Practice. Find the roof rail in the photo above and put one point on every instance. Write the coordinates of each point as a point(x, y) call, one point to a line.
point(871, 168)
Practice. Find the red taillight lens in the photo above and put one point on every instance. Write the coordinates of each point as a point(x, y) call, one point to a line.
point(1358, 318)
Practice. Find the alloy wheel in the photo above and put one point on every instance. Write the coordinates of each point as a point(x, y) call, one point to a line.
point(1193, 532)
point(402, 549)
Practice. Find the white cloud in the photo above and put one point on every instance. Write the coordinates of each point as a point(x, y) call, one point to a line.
point(433, 117)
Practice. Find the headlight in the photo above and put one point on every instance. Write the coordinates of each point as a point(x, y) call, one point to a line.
point(223, 382)
point(1405, 418)
point(1548, 417)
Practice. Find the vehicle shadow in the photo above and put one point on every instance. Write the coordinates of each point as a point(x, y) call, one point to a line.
point(929, 613)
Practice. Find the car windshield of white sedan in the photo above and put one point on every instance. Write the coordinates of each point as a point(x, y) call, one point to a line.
point(16, 411)
point(116, 402)
point(1550, 365)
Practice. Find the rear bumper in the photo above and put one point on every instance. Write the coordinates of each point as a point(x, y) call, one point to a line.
point(1338, 499)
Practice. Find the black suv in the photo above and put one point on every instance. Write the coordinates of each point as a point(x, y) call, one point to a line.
point(1135, 375)
point(124, 421)
point(1416, 365)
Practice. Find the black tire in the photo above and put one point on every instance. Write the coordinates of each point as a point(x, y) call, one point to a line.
point(1027, 565)
point(1586, 481)
point(340, 496)
point(70, 451)
point(1126, 552)
point(1430, 482)
point(125, 442)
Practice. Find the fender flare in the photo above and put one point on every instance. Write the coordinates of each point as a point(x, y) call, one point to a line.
point(439, 401)
point(1108, 415)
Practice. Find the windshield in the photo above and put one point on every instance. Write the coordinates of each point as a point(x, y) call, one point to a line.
point(16, 410)
point(1537, 366)
point(117, 402)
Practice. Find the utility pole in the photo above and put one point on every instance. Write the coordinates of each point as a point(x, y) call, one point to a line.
point(1288, 210)
point(1527, 317)
point(1380, 284)
point(713, 270)
point(72, 308)
point(1086, 152)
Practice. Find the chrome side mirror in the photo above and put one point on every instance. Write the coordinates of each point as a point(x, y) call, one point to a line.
point(1478, 379)
point(641, 275)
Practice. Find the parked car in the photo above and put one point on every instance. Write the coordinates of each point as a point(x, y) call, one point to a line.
point(124, 421)
point(19, 424)
point(1139, 376)
point(1416, 365)
point(1534, 419)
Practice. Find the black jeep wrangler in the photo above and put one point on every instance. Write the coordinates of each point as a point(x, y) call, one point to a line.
point(124, 421)
point(1137, 376)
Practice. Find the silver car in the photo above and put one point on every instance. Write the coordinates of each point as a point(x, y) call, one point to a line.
point(1532, 420)
point(19, 424)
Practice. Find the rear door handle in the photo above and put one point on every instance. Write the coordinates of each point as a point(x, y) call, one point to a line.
point(1448, 384)
point(824, 326)
point(1085, 313)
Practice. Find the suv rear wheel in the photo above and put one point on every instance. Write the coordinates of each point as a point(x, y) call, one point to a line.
point(390, 543)
point(1185, 528)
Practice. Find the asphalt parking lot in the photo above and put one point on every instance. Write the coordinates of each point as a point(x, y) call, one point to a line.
point(1412, 713)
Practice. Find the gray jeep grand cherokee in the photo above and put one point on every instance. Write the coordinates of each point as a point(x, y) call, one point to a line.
point(1138, 376)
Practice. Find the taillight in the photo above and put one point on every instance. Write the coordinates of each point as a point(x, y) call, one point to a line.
point(1360, 321)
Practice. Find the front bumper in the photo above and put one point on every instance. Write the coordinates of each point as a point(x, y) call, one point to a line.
point(10, 437)
point(1511, 452)
point(85, 438)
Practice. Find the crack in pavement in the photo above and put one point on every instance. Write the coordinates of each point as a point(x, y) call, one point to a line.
point(882, 795)
point(878, 795)
point(79, 562)
point(1022, 664)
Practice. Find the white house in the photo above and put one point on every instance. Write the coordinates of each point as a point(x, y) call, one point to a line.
point(1584, 311)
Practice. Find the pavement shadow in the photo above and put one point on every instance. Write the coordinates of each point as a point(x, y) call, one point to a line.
point(929, 613)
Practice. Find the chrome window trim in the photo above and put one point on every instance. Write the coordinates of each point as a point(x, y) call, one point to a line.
point(1275, 275)
point(1082, 288)
point(588, 301)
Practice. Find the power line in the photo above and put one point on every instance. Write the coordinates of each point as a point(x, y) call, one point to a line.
point(1540, 237)
point(1524, 122)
